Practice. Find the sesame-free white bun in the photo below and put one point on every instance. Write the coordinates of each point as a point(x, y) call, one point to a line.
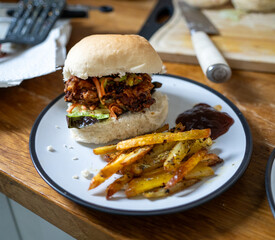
point(107, 54)
point(206, 3)
point(255, 5)
point(127, 125)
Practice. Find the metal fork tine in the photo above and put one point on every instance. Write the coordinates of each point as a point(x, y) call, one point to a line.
point(21, 22)
point(51, 18)
point(18, 13)
point(32, 20)
point(40, 20)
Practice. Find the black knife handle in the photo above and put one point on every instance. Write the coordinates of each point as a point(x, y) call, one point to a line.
point(70, 12)
point(64, 14)
point(162, 12)
point(74, 14)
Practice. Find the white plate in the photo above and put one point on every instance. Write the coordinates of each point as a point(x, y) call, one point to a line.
point(270, 182)
point(58, 167)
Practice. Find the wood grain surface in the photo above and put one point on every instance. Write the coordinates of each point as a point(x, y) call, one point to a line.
point(242, 212)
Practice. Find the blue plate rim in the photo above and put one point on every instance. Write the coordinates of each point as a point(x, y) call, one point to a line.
point(268, 183)
point(230, 182)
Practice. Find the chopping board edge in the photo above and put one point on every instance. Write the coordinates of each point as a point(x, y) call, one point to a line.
point(234, 64)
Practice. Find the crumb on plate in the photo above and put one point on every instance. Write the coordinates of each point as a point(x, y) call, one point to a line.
point(50, 148)
point(86, 174)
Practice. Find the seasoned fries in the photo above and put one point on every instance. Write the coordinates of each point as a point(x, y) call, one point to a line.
point(186, 167)
point(143, 184)
point(199, 172)
point(104, 149)
point(157, 138)
point(158, 164)
point(175, 156)
point(211, 159)
point(164, 128)
point(199, 144)
point(112, 167)
point(122, 160)
point(153, 159)
point(162, 192)
point(118, 184)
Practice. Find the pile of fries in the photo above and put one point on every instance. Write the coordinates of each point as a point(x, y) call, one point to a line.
point(158, 164)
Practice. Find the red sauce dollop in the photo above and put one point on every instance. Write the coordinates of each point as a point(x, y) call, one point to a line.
point(203, 116)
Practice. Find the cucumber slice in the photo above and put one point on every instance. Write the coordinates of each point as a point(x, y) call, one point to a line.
point(80, 117)
point(98, 113)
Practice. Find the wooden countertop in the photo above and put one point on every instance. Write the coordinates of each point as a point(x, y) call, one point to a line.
point(242, 212)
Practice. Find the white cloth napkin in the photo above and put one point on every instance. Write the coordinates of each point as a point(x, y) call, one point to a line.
point(23, 63)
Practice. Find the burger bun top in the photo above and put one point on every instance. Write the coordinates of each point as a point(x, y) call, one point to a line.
point(107, 54)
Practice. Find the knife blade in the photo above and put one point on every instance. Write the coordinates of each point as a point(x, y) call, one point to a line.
point(210, 59)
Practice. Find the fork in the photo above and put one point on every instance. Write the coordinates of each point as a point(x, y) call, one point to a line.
point(33, 20)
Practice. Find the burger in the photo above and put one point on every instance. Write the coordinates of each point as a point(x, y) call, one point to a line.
point(109, 88)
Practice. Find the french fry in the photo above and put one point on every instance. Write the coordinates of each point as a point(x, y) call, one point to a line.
point(194, 176)
point(186, 167)
point(146, 166)
point(136, 154)
point(100, 177)
point(109, 157)
point(178, 152)
point(105, 149)
point(182, 149)
point(154, 172)
point(157, 138)
point(121, 161)
point(156, 162)
point(178, 128)
point(164, 128)
point(199, 144)
point(118, 184)
point(153, 159)
point(113, 148)
point(163, 192)
point(157, 150)
point(159, 178)
point(146, 183)
point(211, 159)
point(218, 107)
point(199, 172)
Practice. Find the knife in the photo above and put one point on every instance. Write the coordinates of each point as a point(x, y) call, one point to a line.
point(210, 59)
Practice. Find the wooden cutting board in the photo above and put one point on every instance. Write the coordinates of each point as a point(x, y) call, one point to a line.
point(247, 40)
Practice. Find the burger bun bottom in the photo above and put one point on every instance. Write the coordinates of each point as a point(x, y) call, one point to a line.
point(127, 125)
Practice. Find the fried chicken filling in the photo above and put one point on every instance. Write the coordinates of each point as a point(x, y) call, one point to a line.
point(132, 92)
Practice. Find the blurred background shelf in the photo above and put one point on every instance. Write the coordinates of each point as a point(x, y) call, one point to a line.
point(18, 223)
